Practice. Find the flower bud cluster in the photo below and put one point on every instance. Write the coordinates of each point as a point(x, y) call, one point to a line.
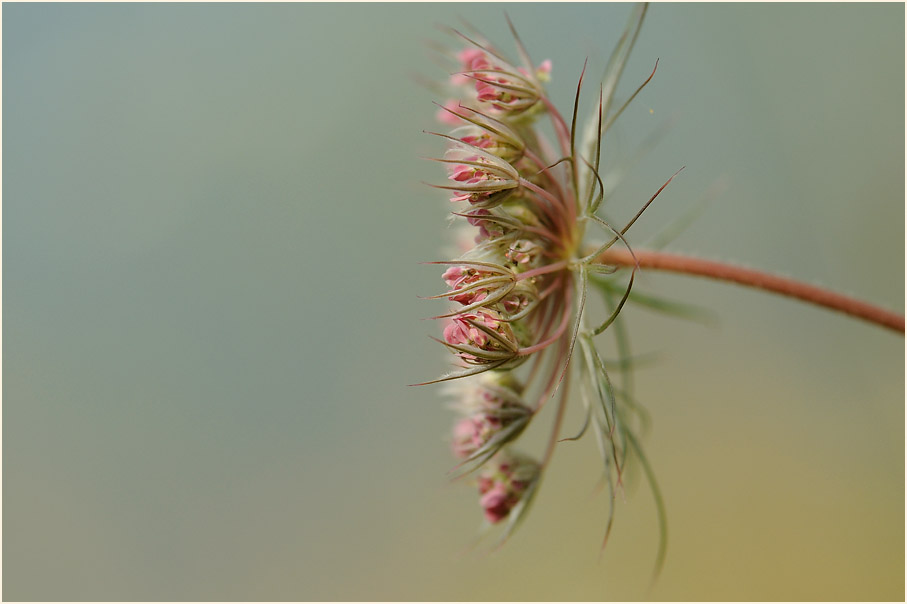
point(504, 483)
point(492, 413)
point(518, 285)
point(497, 83)
point(503, 313)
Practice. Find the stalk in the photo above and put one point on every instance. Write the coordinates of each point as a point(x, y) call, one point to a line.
point(811, 294)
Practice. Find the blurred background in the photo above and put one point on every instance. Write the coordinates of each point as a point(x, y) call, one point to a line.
point(213, 220)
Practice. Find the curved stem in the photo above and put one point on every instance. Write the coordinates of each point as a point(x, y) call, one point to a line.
point(560, 126)
point(556, 428)
point(780, 285)
point(544, 169)
point(561, 328)
point(551, 207)
point(565, 136)
point(542, 270)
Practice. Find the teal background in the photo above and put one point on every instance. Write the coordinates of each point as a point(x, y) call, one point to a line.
point(213, 219)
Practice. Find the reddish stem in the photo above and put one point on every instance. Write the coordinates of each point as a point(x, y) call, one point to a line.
point(780, 285)
point(549, 205)
point(560, 126)
point(543, 169)
point(542, 270)
point(565, 319)
point(564, 136)
point(550, 384)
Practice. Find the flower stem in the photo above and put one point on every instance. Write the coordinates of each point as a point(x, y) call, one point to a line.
point(560, 126)
point(556, 428)
point(542, 270)
point(780, 285)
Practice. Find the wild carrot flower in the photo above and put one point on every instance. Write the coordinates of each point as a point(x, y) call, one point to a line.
point(537, 240)
point(519, 294)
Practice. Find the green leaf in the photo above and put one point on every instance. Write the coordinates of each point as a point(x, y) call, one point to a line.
point(521, 49)
point(659, 505)
point(680, 224)
point(455, 375)
point(591, 147)
point(582, 429)
point(659, 304)
point(621, 54)
point(619, 306)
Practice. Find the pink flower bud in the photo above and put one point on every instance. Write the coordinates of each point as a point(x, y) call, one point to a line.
point(483, 141)
point(497, 416)
point(469, 58)
point(503, 483)
point(488, 229)
point(482, 337)
point(505, 94)
point(459, 278)
point(463, 330)
point(446, 117)
point(472, 58)
point(481, 177)
point(471, 433)
point(517, 301)
point(498, 502)
point(483, 180)
point(523, 254)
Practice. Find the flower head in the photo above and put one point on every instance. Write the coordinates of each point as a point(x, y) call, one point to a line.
point(518, 295)
point(482, 178)
point(504, 87)
point(481, 336)
point(493, 415)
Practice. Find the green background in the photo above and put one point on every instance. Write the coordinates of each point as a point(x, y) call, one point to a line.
point(213, 219)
